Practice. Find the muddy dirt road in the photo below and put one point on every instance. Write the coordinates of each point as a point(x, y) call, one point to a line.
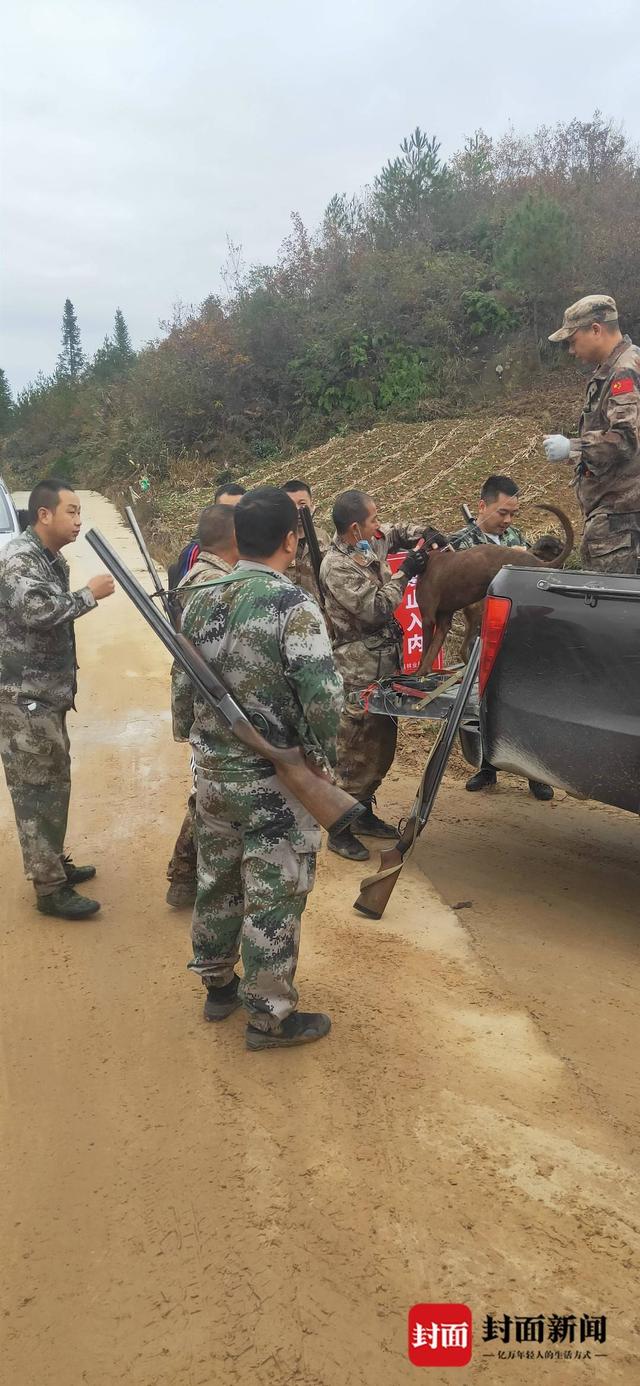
point(178, 1212)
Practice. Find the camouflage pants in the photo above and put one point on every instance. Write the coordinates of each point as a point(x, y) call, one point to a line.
point(34, 747)
point(256, 866)
point(605, 550)
point(182, 866)
point(366, 748)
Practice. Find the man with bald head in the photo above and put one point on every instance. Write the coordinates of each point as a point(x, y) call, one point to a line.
point(606, 454)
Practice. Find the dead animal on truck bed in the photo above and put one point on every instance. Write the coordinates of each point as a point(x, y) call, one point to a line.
point(456, 581)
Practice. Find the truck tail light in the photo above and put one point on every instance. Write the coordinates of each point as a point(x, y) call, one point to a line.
point(497, 611)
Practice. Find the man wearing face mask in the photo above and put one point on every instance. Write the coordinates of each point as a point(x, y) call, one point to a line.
point(361, 596)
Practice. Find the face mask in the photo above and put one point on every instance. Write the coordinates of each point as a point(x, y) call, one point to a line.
point(363, 546)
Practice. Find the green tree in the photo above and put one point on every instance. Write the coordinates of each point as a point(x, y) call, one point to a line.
point(121, 338)
point(536, 254)
point(404, 192)
point(6, 404)
point(71, 358)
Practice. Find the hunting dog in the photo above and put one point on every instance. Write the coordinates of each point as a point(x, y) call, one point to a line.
point(459, 581)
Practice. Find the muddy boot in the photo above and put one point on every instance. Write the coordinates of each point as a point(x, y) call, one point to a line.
point(483, 779)
point(65, 903)
point(540, 790)
point(371, 826)
point(221, 1001)
point(344, 844)
point(77, 874)
point(181, 894)
point(301, 1027)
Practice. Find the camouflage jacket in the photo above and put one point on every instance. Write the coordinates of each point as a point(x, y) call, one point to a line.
point(394, 538)
point(37, 612)
point(300, 569)
point(206, 568)
point(472, 534)
point(607, 453)
point(361, 596)
point(268, 642)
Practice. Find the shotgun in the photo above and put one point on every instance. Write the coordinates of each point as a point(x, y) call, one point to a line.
point(331, 807)
point(306, 520)
point(150, 565)
point(375, 891)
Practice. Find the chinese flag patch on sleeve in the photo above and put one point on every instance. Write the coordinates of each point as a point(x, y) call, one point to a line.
point(623, 386)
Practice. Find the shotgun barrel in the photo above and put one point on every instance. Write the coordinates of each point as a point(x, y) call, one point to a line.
point(306, 520)
point(375, 891)
point(331, 806)
point(150, 565)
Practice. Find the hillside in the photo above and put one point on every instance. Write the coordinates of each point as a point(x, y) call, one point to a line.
point(423, 470)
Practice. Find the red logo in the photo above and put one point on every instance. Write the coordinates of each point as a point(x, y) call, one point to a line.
point(440, 1335)
point(624, 386)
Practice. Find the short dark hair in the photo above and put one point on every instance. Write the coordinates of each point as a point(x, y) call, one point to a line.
point(46, 493)
point(350, 508)
point(495, 486)
point(294, 485)
point(215, 527)
point(230, 488)
point(263, 519)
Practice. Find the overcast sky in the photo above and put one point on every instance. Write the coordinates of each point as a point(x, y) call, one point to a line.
point(137, 135)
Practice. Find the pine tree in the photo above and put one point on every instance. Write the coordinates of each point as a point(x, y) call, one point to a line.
point(71, 358)
point(536, 254)
point(6, 404)
point(121, 338)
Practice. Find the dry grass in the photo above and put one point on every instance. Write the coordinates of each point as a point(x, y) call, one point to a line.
point(418, 471)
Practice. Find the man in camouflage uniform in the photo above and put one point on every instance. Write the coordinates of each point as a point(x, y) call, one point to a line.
point(218, 552)
point(606, 454)
point(227, 494)
point(37, 688)
point(301, 569)
point(256, 844)
point(361, 596)
point(497, 509)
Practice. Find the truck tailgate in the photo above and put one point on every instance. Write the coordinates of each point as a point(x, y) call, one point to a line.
point(562, 703)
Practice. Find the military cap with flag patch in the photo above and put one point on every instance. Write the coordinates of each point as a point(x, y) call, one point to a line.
point(593, 308)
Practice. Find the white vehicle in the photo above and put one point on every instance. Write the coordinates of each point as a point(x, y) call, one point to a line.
point(9, 522)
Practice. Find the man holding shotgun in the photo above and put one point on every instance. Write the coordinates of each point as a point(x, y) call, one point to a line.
point(218, 554)
point(256, 844)
point(302, 569)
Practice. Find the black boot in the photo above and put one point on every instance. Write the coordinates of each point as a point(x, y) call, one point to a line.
point(372, 826)
point(301, 1027)
point(344, 844)
point(540, 790)
point(77, 874)
point(221, 1001)
point(483, 778)
point(65, 903)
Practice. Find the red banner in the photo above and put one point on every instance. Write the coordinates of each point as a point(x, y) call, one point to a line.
point(408, 615)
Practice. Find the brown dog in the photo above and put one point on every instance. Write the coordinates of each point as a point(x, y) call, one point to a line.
point(455, 581)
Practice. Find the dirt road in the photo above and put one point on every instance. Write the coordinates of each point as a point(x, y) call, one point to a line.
point(178, 1212)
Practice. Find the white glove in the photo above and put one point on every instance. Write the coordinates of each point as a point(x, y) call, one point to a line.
point(557, 447)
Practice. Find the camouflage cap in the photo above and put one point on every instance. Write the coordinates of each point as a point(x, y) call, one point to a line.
point(593, 308)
